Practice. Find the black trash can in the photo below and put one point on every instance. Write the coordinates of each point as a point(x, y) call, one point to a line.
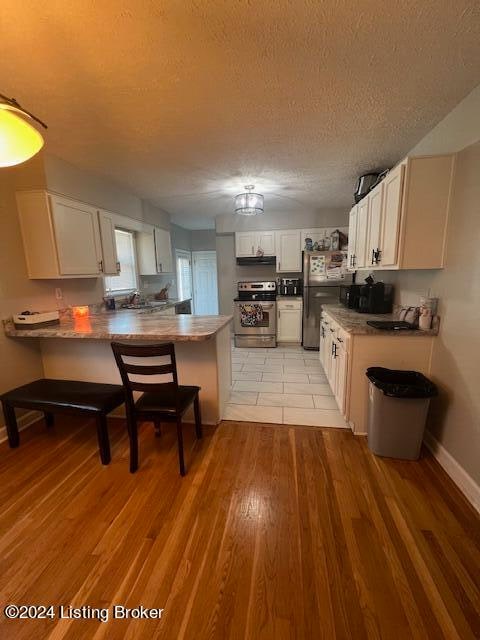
point(398, 404)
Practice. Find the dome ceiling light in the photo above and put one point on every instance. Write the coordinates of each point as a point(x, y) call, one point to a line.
point(249, 204)
point(19, 140)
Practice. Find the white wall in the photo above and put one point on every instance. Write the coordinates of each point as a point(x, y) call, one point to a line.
point(294, 219)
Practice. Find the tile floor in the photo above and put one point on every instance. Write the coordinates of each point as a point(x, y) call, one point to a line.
point(285, 385)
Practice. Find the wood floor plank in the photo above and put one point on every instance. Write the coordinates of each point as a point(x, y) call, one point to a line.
point(275, 533)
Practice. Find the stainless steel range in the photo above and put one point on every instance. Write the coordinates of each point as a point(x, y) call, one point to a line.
point(255, 314)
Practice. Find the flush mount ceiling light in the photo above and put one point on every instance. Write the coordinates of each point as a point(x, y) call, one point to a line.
point(249, 204)
point(19, 140)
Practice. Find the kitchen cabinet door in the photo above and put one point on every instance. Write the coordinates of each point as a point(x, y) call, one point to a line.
point(245, 244)
point(361, 235)
point(266, 241)
point(289, 316)
point(110, 264)
point(341, 375)
point(77, 237)
point(391, 210)
point(163, 251)
point(289, 258)
point(352, 239)
point(374, 225)
point(323, 342)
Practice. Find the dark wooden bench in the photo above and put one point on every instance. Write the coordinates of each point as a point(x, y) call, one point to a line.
point(64, 396)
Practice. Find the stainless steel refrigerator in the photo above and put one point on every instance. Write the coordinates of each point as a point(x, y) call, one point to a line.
point(323, 273)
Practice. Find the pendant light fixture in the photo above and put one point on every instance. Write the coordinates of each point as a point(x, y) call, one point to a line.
point(249, 203)
point(19, 139)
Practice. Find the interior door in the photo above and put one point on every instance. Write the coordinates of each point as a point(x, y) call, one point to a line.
point(77, 237)
point(205, 287)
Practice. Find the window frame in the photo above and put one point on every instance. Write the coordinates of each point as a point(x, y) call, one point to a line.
point(121, 293)
point(184, 253)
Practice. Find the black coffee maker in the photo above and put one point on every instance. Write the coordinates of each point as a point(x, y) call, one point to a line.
point(375, 297)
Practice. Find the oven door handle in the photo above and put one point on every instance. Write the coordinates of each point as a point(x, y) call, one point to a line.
point(264, 306)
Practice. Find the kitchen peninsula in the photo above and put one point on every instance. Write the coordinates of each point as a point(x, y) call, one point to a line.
point(79, 349)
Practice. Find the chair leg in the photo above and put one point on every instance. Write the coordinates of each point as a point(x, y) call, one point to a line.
point(103, 439)
point(180, 446)
point(158, 428)
point(133, 438)
point(198, 417)
point(49, 419)
point(11, 424)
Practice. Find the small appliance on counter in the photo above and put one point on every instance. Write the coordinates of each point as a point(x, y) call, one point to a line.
point(375, 297)
point(290, 287)
point(350, 295)
point(35, 320)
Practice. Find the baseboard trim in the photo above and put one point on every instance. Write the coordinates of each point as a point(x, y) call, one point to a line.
point(460, 477)
point(23, 422)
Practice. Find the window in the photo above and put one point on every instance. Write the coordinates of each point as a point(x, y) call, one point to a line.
point(126, 281)
point(183, 261)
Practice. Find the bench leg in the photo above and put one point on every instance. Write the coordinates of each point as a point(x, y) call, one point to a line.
point(133, 439)
point(11, 424)
point(103, 439)
point(181, 460)
point(158, 428)
point(49, 419)
point(198, 417)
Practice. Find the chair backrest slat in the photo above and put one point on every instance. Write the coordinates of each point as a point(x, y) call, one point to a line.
point(148, 370)
point(121, 350)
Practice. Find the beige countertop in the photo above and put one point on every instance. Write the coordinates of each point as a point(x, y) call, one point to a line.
point(356, 323)
point(131, 324)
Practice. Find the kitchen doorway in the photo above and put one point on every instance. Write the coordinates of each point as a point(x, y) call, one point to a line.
point(205, 287)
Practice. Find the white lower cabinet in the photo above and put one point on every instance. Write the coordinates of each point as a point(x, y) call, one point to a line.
point(289, 320)
point(334, 345)
point(346, 357)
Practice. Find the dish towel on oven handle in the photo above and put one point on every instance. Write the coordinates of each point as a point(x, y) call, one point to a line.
point(250, 314)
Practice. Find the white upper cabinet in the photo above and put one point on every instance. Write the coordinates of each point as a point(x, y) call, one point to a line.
point(154, 254)
point(391, 210)
point(265, 241)
point(245, 244)
point(111, 265)
point(250, 243)
point(372, 256)
point(404, 219)
point(352, 239)
point(289, 258)
point(61, 236)
point(163, 251)
point(361, 234)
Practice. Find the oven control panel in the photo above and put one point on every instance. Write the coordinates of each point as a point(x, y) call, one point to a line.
point(270, 286)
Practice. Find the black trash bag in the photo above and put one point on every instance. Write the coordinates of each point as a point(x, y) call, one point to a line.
point(401, 384)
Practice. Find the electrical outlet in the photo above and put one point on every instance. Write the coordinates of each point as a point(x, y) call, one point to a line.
point(58, 293)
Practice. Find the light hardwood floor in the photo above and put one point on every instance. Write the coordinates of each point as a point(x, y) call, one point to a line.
point(275, 532)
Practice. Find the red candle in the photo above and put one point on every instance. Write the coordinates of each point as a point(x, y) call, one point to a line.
point(81, 312)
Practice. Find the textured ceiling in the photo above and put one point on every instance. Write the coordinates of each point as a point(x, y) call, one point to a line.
point(185, 101)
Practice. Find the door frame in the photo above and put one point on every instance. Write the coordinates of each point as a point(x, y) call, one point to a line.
point(212, 253)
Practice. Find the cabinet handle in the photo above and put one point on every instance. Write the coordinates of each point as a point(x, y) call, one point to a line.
point(379, 256)
point(160, 267)
point(118, 267)
point(373, 256)
point(253, 250)
point(100, 265)
point(339, 340)
point(279, 264)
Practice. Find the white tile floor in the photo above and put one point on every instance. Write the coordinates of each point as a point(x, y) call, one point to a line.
point(286, 385)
